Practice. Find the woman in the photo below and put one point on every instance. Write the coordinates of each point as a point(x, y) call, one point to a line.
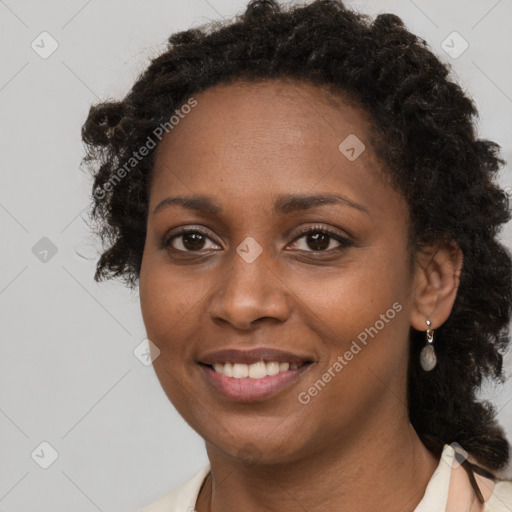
point(302, 200)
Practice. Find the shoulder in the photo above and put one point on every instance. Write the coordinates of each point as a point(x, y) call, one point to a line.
point(450, 488)
point(183, 498)
point(497, 493)
point(501, 498)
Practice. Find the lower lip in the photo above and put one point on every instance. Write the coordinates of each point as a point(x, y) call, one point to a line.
point(252, 390)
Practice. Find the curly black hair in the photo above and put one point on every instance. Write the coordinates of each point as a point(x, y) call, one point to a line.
point(425, 136)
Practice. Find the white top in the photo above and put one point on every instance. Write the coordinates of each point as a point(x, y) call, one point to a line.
point(448, 490)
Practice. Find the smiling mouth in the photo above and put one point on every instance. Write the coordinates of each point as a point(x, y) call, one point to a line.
point(253, 375)
point(254, 382)
point(258, 370)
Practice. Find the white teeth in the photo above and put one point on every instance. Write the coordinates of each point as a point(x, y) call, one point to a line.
point(240, 371)
point(228, 370)
point(257, 370)
point(272, 368)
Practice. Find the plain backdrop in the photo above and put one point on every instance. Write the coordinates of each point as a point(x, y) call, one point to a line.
point(68, 374)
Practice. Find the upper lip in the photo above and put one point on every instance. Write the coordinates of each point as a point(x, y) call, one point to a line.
point(255, 355)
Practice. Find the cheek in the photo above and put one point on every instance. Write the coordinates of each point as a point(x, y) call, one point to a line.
point(161, 305)
point(165, 305)
point(354, 296)
point(171, 299)
point(363, 360)
point(360, 312)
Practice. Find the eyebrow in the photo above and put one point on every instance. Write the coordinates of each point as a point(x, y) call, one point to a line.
point(284, 204)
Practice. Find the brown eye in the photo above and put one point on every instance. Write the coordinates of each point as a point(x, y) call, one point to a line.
point(193, 241)
point(188, 240)
point(320, 240)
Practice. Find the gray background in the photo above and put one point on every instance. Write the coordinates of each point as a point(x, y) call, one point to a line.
point(68, 373)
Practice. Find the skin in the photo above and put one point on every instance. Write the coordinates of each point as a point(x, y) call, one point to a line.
point(256, 142)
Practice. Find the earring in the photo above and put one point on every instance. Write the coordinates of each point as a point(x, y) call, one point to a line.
point(428, 358)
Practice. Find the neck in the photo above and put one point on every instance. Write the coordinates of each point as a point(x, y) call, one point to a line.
point(385, 471)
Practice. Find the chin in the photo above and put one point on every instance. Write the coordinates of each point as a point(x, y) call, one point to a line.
point(257, 449)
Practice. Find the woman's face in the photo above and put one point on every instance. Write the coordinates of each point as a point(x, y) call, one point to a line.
point(247, 284)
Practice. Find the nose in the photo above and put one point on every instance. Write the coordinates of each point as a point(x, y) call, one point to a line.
point(249, 293)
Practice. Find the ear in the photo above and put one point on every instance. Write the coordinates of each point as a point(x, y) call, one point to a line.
point(436, 281)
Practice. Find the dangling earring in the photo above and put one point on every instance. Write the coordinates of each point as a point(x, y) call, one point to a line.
point(428, 357)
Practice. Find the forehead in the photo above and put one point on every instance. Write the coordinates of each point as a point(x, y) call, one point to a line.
point(264, 138)
point(289, 108)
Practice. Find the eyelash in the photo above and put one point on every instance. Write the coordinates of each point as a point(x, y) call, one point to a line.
point(343, 241)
